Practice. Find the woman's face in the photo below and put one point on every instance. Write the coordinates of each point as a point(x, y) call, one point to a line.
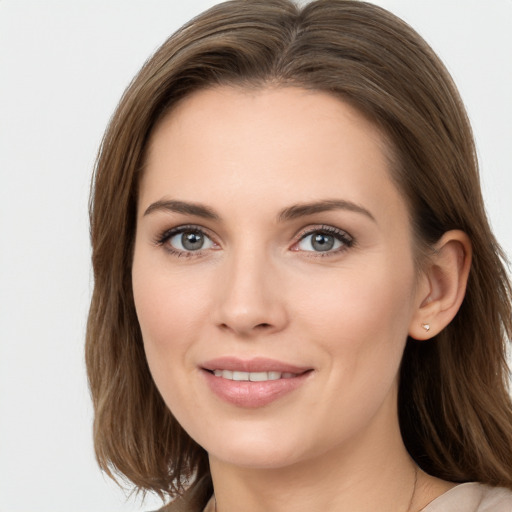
point(273, 274)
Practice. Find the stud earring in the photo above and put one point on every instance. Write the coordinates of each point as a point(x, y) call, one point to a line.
point(426, 327)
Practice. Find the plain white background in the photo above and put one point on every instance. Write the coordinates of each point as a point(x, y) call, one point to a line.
point(63, 67)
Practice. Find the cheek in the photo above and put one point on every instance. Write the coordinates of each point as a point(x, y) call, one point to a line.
point(167, 302)
point(168, 310)
point(361, 325)
point(361, 316)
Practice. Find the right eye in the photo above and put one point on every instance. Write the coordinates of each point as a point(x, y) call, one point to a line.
point(186, 240)
point(190, 241)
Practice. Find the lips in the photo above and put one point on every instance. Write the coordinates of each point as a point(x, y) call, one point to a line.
point(252, 383)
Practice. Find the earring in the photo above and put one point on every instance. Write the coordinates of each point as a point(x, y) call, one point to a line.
point(426, 327)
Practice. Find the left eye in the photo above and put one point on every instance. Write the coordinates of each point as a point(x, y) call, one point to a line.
point(321, 241)
point(190, 240)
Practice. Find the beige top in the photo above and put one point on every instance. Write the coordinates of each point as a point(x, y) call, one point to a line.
point(470, 497)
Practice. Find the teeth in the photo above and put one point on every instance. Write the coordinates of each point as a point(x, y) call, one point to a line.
point(258, 376)
point(252, 376)
point(227, 374)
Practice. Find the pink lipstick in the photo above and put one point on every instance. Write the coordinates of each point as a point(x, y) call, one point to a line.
point(252, 383)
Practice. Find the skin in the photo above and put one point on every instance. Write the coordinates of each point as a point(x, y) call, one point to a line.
point(258, 288)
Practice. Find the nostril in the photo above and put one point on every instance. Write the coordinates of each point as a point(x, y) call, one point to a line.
point(261, 327)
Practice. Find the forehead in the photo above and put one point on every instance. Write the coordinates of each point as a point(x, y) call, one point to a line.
point(295, 113)
point(287, 143)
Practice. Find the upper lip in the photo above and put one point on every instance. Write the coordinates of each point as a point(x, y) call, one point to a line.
point(256, 364)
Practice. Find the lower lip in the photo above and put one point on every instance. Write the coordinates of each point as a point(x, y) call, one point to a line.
point(252, 394)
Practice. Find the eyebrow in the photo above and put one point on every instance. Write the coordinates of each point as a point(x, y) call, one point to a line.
point(302, 210)
point(187, 208)
point(289, 213)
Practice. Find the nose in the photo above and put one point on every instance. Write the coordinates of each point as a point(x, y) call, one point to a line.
point(250, 299)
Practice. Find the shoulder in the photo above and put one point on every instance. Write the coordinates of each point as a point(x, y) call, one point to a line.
point(473, 497)
point(495, 499)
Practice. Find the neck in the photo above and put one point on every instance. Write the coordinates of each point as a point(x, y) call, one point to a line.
point(374, 472)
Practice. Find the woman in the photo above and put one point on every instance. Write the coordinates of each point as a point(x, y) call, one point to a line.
point(298, 302)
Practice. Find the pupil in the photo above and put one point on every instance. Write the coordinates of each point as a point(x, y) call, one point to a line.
point(192, 241)
point(322, 242)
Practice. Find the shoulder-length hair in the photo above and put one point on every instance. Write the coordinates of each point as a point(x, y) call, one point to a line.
point(454, 405)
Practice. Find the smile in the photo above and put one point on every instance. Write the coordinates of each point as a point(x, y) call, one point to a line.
point(253, 383)
point(253, 376)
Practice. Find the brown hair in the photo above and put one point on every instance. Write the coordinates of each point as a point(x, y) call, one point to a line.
point(454, 406)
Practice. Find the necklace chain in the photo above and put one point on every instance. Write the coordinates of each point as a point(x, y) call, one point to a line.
point(413, 494)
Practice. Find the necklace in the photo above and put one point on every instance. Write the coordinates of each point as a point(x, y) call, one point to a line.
point(413, 494)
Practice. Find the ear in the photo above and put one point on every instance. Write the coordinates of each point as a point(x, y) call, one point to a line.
point(442, 285)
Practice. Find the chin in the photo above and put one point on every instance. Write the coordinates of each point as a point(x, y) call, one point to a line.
point(255, 459)
point(255, 451)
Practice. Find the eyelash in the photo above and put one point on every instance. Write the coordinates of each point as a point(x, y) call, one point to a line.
point(346, 240)
point(341, 236)
point(170, 233)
